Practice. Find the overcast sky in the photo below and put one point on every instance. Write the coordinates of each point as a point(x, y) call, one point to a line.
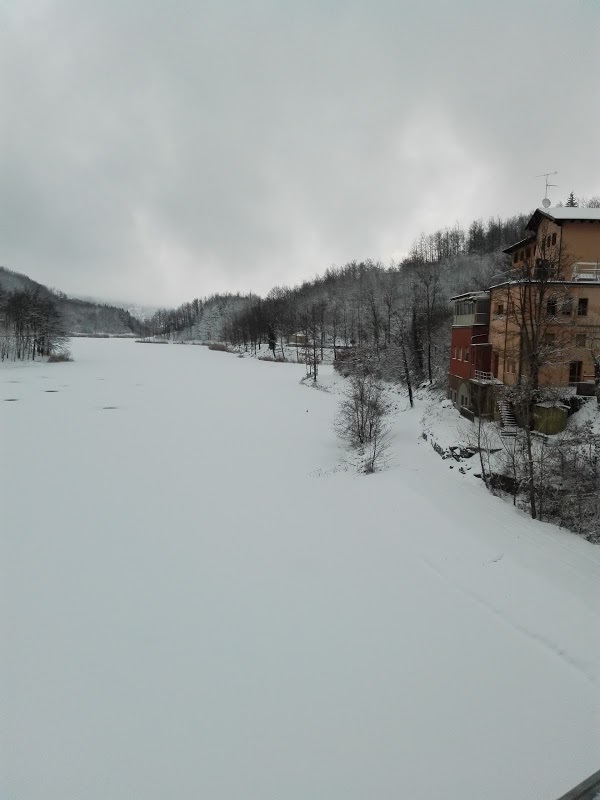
point(157, 151)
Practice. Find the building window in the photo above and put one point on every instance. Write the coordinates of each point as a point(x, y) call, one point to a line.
point(551, 307)
point(582, 307)
point(553, 238)
point(580, 340)
point(466, 353)
point(543, 269)
point(515, 257)
point(567, 307)
point(575, 370)
point(549, 339)
point(500, 309)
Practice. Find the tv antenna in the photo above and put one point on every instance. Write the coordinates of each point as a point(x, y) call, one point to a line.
point(546, 175)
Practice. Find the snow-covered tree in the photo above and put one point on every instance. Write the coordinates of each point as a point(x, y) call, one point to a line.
point(572, 201)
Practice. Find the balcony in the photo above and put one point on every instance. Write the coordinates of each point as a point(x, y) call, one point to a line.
point(468, 320)
point(481, 376)
point(586, 272)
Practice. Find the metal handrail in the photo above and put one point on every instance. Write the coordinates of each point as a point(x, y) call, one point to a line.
point(466, 320)
point(586, 270)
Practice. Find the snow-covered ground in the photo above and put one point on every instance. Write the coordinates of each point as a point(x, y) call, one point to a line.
point(199, 601)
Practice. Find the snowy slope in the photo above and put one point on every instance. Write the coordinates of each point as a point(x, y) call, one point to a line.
point(200, 602)
point(214, 314)
point(80, 317)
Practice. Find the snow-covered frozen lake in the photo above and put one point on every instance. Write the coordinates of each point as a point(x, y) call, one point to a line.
point(195, 604)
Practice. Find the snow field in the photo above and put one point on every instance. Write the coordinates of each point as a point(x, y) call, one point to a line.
point(198, 602)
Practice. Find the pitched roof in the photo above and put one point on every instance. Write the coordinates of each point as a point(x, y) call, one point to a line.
point(561, 214)
point(521, 243)
point(476, 295)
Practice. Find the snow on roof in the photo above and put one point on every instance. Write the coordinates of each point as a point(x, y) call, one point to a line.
point(568, 212)
point(520, 243)
point(560, 214)
point(478, 295)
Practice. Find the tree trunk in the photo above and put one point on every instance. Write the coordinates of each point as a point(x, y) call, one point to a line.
point(406, 371)
point(479, 425)
point(416, 341)
point(530, 470)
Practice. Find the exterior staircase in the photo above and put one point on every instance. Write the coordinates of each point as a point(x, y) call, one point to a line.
point(508, 423)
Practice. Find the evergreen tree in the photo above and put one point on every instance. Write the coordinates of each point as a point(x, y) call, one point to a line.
point(571, 201)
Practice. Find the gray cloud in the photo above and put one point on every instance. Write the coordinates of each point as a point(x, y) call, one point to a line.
point(158, 151)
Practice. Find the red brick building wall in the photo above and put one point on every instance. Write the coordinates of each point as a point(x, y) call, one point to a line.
point(461, 352)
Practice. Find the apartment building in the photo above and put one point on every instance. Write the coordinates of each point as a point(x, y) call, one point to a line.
point(542, 323)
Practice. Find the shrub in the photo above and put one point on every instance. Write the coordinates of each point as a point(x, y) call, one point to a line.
point(58, 358)
point(361, 419)
point(277, 359)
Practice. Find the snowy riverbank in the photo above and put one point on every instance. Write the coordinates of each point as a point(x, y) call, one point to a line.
point(199, 601)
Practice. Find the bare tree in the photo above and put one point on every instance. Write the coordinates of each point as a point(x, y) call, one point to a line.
point(361, 419)
point(378, 446)
point(30, 326)
point(401, 340)
point(591, 202)
point(595, 352)
point(538, 313)
point(390, 298)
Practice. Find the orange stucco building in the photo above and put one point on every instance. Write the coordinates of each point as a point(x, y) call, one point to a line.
point(548, 307)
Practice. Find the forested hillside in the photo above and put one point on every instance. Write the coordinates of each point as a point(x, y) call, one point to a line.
point(79, 317)
point(30, 327)
point(375, 311)
point(393, 315)
point(198, 320)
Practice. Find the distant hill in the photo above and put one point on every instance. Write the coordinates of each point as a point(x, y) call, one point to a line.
point(201, 320)
point(140, 312)
point(212, 315)
point(81, 317)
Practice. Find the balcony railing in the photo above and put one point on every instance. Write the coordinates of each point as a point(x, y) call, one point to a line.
point(470, 319)
point(586, 272)
point(481, 375)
